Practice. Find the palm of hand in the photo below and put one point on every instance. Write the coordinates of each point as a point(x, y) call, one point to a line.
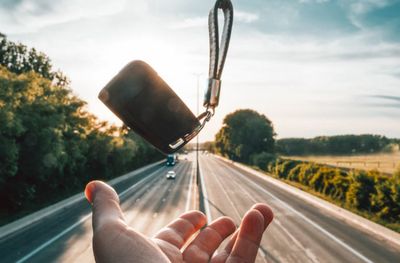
point(114, 241)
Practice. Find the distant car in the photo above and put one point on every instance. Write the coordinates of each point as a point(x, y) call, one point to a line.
point(170, 160)
point(171, 175)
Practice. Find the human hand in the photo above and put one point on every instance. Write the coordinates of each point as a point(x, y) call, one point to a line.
point(115, 241)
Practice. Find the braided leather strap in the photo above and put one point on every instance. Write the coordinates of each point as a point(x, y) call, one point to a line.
point(218, 51)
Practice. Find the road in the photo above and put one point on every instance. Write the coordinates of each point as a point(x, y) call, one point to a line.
point(149, 202)
point(300, 232)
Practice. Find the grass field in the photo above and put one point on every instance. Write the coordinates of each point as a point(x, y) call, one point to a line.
point(386, 163)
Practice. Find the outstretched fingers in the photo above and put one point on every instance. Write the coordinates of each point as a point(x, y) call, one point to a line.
point(181, 229)
point(208, 240)
point(244, 244)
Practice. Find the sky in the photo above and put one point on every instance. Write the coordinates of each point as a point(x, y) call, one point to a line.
point(313, 67)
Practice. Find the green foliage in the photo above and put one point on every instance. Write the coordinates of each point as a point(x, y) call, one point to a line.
point(360, 190)
point(336, 145)
point(340, 185)
point(245, 133)
point(17, 58)
point(294, 173)
point(396, 174)
point(50, 146)
point(307, 170)
point(283, 168)
point(322, 180)
point(262, 159)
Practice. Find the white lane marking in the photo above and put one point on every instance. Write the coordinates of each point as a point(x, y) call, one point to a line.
point(227, 196)
point(82, 220)
point(311, 256)
point(189, 198)
point(26, 257)
point(315, 225)
point(205, 195)
point(260, 251)
point(65, 204)
point(277, 222)
point(308, 252)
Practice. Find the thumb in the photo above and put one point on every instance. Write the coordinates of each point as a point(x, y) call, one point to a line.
point(105, 204)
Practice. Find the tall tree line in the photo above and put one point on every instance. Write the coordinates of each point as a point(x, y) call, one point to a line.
point(337, 145)
point(248, 137)
point(50, 145)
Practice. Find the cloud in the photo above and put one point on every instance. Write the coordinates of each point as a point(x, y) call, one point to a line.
point(388, 97)
point(190, 23)
point(375, 15)
point(246, 17)
point(202, 21)
point(303, 64)
point(364, 6)
point(313, 1)
point(30, 16)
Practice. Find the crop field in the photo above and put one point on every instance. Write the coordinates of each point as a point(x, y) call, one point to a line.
point(386, 163)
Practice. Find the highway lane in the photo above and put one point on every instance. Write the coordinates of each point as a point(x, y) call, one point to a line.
point(300, 232)
point(148, 200)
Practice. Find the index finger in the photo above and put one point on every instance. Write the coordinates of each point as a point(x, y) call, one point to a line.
point(247, 237)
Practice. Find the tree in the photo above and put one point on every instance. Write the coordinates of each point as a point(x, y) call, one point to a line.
point(336, 145)
point(244, 133)
point(18, 59)
point(50, 145)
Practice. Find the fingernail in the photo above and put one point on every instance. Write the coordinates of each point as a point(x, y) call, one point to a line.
point(89, 191)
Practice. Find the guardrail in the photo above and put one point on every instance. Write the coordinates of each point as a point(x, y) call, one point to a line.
point(50, 210)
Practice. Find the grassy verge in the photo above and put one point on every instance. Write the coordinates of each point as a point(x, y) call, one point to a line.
point(370, 216)
point(373, 197)
point(384, 163)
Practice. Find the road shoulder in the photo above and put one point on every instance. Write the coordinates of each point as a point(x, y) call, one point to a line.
point(334, 210)
point(65, 204)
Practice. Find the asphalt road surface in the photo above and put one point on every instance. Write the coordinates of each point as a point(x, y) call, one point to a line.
point(300, 232)
point(149, 202)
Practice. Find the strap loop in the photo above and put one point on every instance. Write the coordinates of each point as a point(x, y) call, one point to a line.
point(217, 61)
point(218, 52)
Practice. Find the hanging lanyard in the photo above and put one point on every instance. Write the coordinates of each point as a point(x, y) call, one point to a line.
point(218, 52)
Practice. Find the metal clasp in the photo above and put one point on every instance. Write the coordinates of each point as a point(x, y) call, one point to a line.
point(211, 98)
point(182, 141)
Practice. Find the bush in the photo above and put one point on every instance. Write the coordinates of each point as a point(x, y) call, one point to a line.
point(396, 174)
point(341, 183)
point(294, 173)
point(321, 180)
point(362, 186)
point(283, 168)
point(262, 160)
point(396, 201)
point(307, 171)
point(369, 191)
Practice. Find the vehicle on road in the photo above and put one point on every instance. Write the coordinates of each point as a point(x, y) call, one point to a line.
point(171, 160)
point(170, 175)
